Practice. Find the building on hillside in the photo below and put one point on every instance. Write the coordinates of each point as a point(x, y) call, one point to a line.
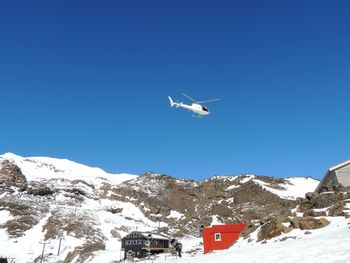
point(141, 244)
point(336, 175)
point(219, 237)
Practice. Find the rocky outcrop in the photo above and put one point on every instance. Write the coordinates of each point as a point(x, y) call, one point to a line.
point(11, 175)
point(274, 227)
point(313, 207)
point(227, 200)
point(25, 213)
point(83, 253)
point(325, 203)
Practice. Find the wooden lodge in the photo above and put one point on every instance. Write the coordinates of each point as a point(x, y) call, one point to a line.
point(141, 244)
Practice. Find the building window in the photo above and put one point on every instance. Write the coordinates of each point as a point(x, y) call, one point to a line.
point(140, 242)
point(127, 242)
point(217, 236)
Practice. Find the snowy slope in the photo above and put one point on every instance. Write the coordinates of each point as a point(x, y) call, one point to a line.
point(29, 246)
point(327, 245)
point(64, 175)
point(36, 168)
point(293, 187)
point(288, 188)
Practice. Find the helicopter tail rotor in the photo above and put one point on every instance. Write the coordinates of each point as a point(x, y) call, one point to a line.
point(171, 101)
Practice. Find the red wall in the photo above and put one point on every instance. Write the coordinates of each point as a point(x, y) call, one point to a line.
point(229, 234)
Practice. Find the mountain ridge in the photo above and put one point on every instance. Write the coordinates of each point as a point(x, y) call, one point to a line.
point(92, 211)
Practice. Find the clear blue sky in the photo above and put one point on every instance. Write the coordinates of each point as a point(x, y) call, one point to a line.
point(89, 80)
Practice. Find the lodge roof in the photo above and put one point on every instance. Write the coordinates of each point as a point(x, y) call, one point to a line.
point(146, 235)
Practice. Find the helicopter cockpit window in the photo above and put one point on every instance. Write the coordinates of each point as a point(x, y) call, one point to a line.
point(205, 108)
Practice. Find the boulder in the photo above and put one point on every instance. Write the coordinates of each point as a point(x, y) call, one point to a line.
point(273, 228)
point(307, 223)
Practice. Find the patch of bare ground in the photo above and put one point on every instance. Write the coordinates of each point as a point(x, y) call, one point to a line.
point(74, 224)
point(83, 253)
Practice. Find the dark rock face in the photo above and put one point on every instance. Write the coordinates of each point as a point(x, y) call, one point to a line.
point(11, 175)
point(35, 188)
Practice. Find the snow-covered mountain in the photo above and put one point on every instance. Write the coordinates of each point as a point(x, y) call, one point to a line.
point(47, 200)
point(45, 168)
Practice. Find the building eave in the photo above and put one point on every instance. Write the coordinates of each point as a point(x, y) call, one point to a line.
point(335, 167)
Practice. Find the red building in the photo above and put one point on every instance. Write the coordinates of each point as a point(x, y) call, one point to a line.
point(220, 237)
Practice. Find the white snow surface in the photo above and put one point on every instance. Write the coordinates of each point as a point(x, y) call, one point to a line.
point(5, 216)
point(326, 245)
point(294, 188)
point(176, 215)
point(35, 168)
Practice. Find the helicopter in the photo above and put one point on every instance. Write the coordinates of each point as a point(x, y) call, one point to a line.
point(196, 106)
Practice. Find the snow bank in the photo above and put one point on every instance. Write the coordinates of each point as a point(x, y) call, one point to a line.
point(327, 245)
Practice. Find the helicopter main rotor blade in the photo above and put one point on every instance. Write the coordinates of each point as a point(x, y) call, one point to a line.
point(206, 101)
point(188, 97)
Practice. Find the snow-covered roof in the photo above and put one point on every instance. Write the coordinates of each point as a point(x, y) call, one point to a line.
point(339, 165)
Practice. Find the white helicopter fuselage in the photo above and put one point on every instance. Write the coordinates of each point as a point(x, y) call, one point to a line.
point(195, 107)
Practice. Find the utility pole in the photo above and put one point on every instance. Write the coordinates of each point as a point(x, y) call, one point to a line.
point(42, 254)
point(59, 246)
